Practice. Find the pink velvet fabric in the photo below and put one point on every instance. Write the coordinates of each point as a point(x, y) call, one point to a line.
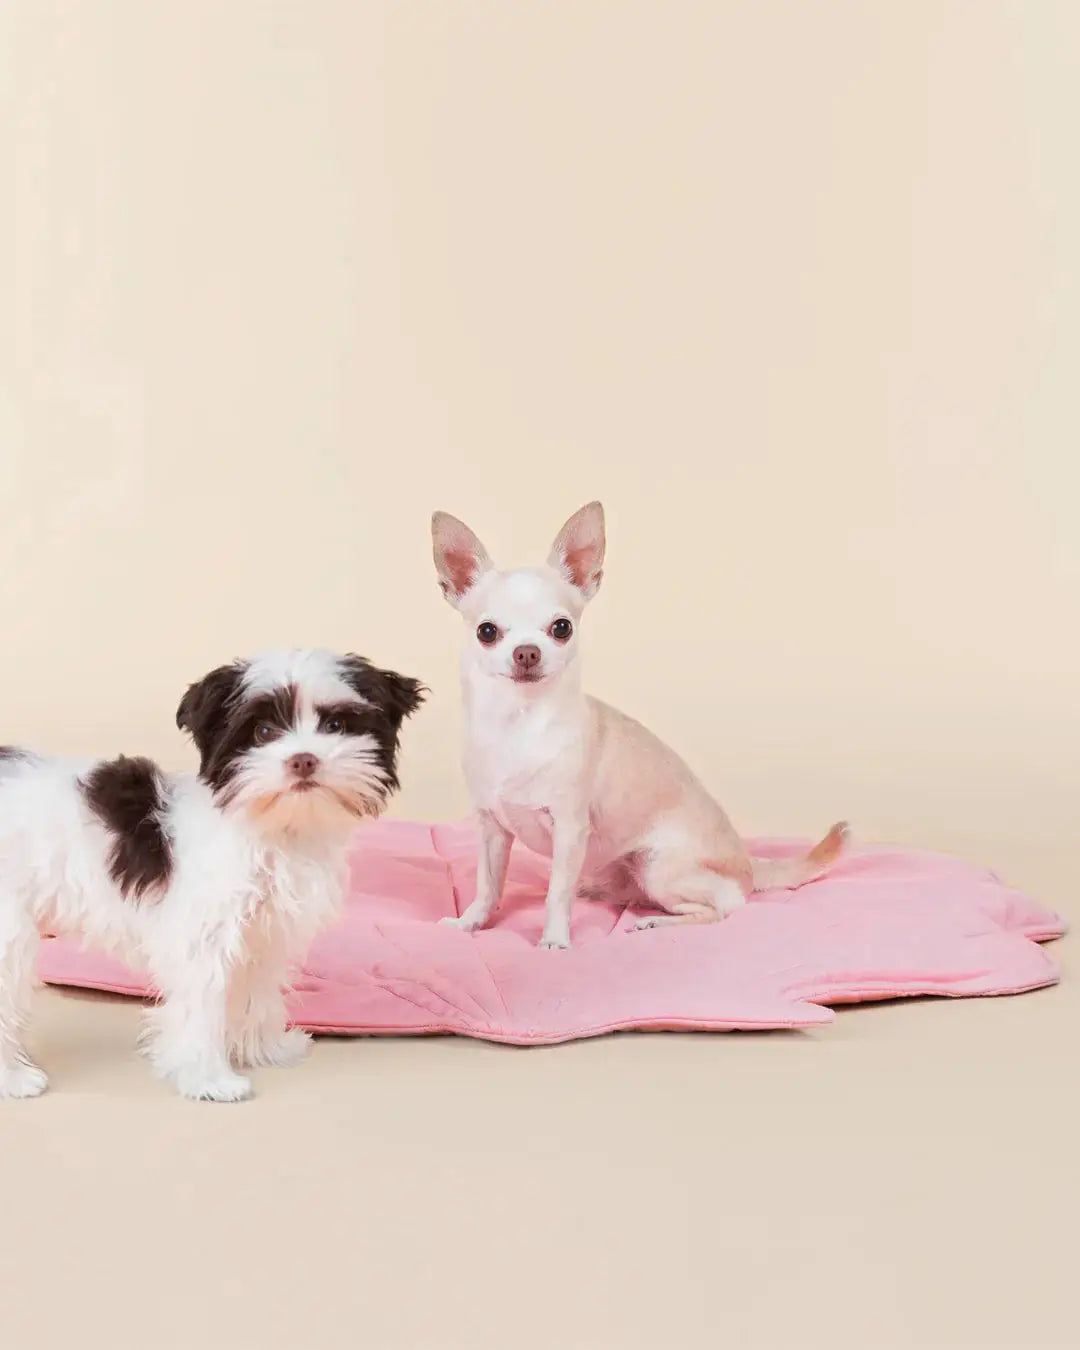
point(884, 923)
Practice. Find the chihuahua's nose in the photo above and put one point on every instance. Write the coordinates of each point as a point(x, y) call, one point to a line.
point(526, 656)
point(302, 766)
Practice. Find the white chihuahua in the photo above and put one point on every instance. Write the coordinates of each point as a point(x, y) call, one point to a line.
point(617, 811)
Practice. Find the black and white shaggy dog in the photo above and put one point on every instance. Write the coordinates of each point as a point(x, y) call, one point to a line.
point(213, 883)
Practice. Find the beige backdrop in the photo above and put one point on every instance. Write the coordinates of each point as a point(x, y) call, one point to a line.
point(793, 287)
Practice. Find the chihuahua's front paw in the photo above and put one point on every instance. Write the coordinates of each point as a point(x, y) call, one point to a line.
point(464, 922)
point(555, 941)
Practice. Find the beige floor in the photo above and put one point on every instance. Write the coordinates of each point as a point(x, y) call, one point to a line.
point(907, 1177)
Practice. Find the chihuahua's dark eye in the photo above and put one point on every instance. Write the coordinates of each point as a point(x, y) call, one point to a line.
point(488, 634)
point(264, 733)
point(561, 630)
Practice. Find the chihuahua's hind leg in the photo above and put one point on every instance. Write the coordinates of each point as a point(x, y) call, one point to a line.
point(688, 911)
point(690, 894)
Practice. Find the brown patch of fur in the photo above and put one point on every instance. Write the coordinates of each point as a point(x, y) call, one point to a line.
point(391, 698)
point(398, 696)
point(128, 798)
point(233, 733)
point(206, 705)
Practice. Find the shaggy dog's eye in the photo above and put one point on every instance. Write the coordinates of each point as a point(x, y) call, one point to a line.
point(488, 634)
point(264, 733)
point(561, 630)
point(334, 725)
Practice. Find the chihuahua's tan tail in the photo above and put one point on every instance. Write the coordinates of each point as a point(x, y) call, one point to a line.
point(787, 873)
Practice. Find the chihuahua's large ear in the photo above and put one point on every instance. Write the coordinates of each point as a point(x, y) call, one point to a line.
point(460, 558)
point(578, 550)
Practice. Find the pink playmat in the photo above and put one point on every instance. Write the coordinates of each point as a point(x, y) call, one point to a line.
point(884, 923)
